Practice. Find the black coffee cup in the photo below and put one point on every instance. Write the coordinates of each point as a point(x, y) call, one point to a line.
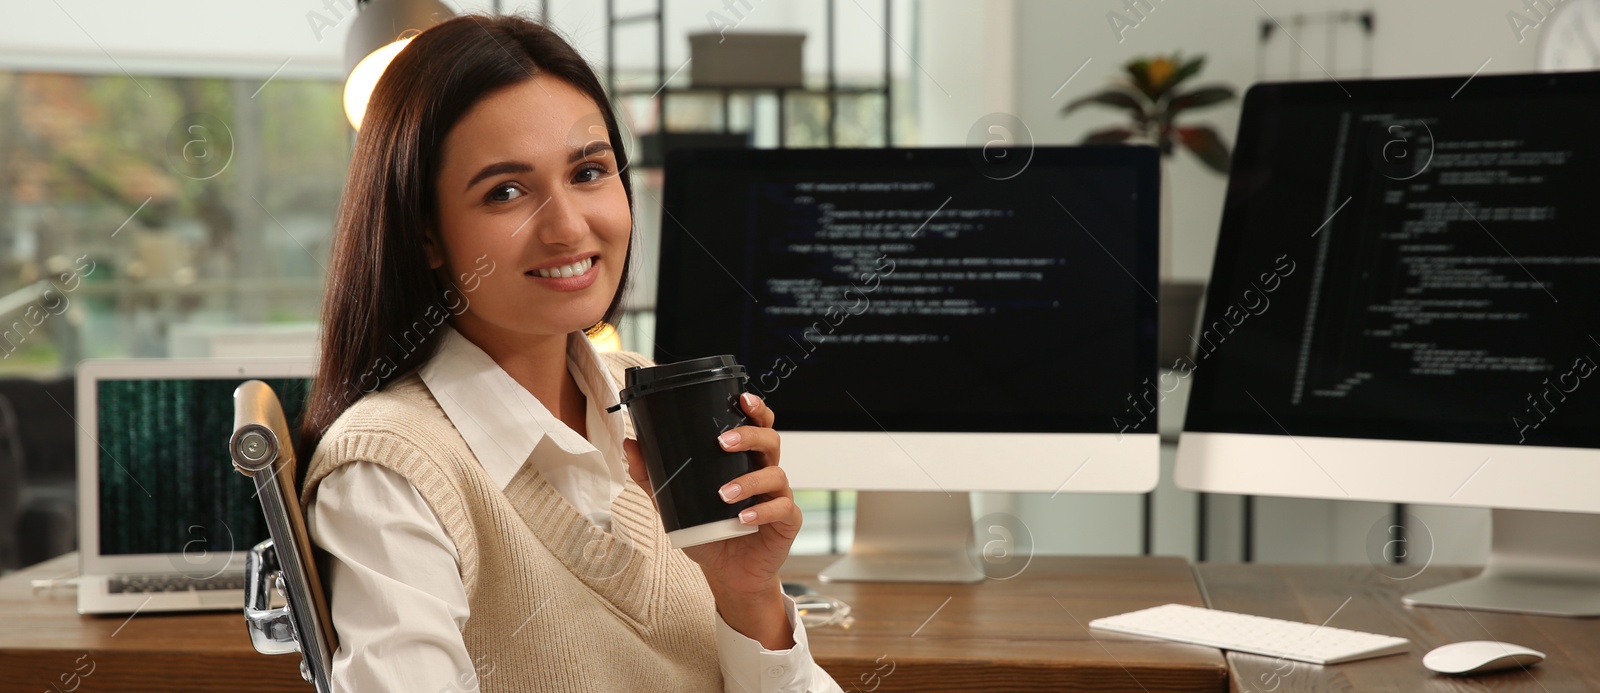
point(678, 410)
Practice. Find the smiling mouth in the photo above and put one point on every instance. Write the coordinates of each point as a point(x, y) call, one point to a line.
point(567, 271)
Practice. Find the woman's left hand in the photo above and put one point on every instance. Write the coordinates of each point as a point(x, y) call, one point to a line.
point(745, 567)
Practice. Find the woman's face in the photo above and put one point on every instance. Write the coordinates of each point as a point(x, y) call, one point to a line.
point(528, 187)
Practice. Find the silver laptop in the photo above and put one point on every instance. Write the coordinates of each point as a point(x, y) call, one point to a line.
point(164, 521)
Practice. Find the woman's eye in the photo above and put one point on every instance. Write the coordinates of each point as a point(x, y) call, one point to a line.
point(505, 193)
point(590, 174)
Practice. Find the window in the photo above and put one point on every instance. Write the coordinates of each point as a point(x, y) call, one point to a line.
point(134, 208)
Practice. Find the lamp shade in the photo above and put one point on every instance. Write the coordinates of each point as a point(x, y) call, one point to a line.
point(380, 30)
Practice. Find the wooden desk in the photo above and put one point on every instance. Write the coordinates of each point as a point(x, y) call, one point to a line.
point(1028, 633)
point(1002, 635)
point(43, 638)
point(1312, 593)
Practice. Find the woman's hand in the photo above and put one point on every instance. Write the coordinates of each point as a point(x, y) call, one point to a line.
point(743, 571)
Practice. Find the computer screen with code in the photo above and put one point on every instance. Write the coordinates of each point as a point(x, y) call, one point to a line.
point(913, 290)
point(167, 484)
point(1408, 260)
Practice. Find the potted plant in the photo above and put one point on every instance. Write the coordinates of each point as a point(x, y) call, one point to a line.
point(1150, 96)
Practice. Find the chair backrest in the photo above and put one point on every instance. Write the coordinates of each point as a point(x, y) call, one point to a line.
point(262, 449)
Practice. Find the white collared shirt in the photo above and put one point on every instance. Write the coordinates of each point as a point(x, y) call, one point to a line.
point(390, 555)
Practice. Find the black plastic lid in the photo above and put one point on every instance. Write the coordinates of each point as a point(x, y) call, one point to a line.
point(641, 381)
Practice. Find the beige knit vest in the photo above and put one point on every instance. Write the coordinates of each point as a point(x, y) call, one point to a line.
point(557, 605)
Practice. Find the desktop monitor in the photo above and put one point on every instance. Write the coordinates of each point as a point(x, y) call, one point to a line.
point(925, 321)
point(1404, 307)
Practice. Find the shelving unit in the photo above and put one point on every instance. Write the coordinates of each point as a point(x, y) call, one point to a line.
point(833, 92)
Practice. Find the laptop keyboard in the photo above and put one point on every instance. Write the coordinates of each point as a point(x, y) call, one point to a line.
point(173, 583)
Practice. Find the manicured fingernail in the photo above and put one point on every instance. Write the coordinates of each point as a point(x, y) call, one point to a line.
point(749, 399)
point(729, 439)
point(747, 516)
point(729, 492)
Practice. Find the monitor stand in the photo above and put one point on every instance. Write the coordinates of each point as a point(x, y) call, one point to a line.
point(1544, 563)
point(909, 536)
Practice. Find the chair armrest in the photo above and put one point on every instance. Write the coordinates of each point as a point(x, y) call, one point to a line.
point(271, 630)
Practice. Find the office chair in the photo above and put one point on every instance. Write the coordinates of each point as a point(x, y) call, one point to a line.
point(261, 449)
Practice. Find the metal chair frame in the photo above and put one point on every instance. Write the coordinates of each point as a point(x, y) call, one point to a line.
point(260, 448)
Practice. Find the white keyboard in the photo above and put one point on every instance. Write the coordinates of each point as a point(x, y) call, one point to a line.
point(1270, 637)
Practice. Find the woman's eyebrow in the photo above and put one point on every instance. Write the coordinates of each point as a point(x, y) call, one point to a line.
point(499, 167)
point(588, 150)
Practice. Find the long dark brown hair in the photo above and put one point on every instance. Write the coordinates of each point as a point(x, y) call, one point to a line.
point(379, 286)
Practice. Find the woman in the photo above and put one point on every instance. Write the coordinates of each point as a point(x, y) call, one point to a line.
point(466, 484)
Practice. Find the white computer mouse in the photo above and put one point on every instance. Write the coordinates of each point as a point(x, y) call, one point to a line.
point(1479, 656)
